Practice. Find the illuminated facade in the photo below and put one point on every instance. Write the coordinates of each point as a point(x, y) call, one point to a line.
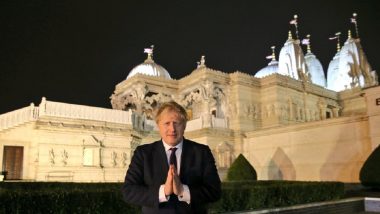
point(290, 121)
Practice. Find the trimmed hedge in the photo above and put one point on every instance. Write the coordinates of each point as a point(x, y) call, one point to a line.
point(251, 195)
point(49, 197)
point(370, 172)
point(241, 170)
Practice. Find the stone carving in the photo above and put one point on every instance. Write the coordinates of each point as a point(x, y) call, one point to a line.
point(114, 158)
point(116, 102)
point(101, 145)
point(131, 99)
point(139, 91)
point(224, 155)
point(124, 159)
point(100, 142)
point(284, 112)
point(64, 156)
point(51, 157)
point(232, 113)
point(207, 98)
point(251, 110)
point(154, 101)
point(322, 108)
point(353, 71)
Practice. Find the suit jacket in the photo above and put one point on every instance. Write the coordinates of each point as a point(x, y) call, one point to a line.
point(148, 171)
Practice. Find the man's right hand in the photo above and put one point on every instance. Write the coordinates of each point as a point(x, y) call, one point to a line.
point(168, 189)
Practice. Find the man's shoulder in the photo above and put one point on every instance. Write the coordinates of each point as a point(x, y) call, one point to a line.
point(195, 144)
point(149, 146)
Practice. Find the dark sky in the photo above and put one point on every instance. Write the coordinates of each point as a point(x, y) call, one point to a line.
point(77, 51)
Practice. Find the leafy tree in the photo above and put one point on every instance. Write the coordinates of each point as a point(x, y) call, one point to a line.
point(370, 172)
point(241, 170)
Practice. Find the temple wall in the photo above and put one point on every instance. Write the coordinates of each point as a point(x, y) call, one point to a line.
point(66, 150)
point(329, 150)
point(372, 97)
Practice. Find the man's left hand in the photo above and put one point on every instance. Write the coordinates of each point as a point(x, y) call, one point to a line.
point(177, 185)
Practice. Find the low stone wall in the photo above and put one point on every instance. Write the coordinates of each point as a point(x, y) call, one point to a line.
point(345, 206)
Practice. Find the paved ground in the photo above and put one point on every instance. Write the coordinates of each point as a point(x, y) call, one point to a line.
point(357, 190)
point(352, 191)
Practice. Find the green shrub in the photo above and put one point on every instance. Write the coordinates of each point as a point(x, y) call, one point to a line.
point(50, 197)
point(253, 195)
point(370, 172)
point(241, 170)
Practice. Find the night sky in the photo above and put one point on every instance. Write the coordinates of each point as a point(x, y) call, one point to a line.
point(77, 51)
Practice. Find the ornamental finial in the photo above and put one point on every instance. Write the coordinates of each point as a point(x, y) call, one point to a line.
point(294, 22)
point(202, 63)
point(290, 36)
point(149, 51)
point(307, 42)
point(336, 37)
point(355, 22)
point(273, 55)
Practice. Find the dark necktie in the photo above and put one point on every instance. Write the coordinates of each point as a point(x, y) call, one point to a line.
point(173, 157)
point(173, 161)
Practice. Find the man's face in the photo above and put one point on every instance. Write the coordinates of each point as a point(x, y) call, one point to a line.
point(171, 127)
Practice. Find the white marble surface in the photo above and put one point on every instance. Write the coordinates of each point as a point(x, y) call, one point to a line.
point(372, 204)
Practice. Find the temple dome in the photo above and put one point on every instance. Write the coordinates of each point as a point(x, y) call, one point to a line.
point(271, 68)
point(150, 68)
point(315, 69)
point(291, 61)
point(351, 68)
point(333, 76)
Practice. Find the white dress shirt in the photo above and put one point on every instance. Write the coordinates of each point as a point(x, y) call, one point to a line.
point(186, 192)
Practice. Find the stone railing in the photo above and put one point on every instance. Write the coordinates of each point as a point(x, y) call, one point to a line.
point(65, 110)
point(191, 125)
point(57, 109)
point(18, 117)
point(206, 121)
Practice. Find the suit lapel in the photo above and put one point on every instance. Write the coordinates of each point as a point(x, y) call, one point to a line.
point(160, 162)
point(187, 154)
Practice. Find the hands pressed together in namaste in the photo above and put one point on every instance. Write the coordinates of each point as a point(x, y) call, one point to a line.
point(173, 184)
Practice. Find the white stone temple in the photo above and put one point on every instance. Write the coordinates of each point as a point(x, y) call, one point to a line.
point(288, 120)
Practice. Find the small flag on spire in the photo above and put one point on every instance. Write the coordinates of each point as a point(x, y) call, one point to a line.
point(293, 22)
point(148, 50)
point(305, 41)
point(332, 38)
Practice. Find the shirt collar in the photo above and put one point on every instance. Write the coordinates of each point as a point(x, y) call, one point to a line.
point(178, 146)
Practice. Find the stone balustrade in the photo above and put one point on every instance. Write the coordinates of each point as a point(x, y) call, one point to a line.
point(66, 110)
point(58, 109)
point(18, 117)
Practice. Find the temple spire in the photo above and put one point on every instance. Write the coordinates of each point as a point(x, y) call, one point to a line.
point(307, 43)
point(290, 36)
point(273, 55)
point(295, 23)
point(355, 22)
point(336, 37)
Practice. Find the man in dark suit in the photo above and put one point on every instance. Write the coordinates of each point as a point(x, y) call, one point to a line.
point(173, 175)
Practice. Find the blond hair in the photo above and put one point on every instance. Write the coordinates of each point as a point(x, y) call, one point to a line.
point(172, 106)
